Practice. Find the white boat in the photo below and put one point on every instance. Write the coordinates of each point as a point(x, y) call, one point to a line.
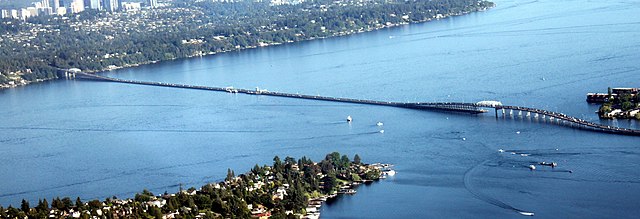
point(532, 167)
point(381, 131)
point(349, 119)
point(379, 124)
point(526, 213)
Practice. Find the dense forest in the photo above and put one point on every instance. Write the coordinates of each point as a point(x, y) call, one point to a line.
point(95, 41)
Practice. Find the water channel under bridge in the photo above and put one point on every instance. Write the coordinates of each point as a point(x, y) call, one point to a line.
point(454, 107)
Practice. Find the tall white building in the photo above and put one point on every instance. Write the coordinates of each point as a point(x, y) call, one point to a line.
point(153, 3)
point(95, 4)
point(5, 13)
point(45, 3)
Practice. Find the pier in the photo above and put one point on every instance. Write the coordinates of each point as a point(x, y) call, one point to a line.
point(455, 107)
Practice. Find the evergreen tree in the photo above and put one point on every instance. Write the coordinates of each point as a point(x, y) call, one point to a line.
point(230, 175)
point(25, 206)
point(356, 159)
point(79, 203)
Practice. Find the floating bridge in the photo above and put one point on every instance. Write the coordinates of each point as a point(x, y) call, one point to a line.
point(456, 107)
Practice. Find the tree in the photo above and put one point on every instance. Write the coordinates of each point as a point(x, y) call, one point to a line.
point(230, 175)
point(356, 159)
point(44, 206)
point(57, 204)
point(67, 203)
point(289, 160)
point(95, 204)
point(330, 182)
point(79, 204)
point(604, 109)
point(25, 206)
point(626, 105)
point(277, 164)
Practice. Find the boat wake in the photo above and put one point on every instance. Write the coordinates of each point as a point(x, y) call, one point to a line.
point(486, 198)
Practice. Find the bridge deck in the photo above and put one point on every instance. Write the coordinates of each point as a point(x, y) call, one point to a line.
point(472, 108)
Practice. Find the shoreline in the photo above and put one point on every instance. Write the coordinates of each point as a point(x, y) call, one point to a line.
point(287, 188)
point(260, 45)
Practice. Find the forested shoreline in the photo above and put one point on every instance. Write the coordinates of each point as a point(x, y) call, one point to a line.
point(95, 41)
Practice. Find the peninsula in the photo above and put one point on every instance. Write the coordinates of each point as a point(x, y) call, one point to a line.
point(32, 50)
point(287, 189)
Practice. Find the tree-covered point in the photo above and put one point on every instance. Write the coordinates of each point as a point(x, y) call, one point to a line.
point(283, 190)
point(95, 41)
point(624, 105)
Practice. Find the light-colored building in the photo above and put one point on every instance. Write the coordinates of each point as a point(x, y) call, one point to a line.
point(5, 13)
point(33, 11)
point(45, 11)
point(95, 4)
point(131, 6)
point(45, 3)
point(23, 14)
point(153, 3)
point(14, 13)
point(61, 11)
point(56, 5)
point(110, 5)
point(77, 6)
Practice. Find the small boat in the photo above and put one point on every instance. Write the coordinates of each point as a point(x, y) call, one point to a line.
point(379, 124)
point(349, 119)
point(532, 167)
point(526, 213)
point(552, 164)
point(464, 139)
point(382, 131)
point(518, 132)
point(501, 150)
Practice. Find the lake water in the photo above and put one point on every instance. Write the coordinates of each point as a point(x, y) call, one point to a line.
point(99, 139)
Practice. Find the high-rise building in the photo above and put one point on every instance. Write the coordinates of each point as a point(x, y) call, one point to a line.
point(23, 14)
point(56, 5)
point(110, 5)
point(95, 4)
point(5, 13)
point(153, 3)
point(45, 3)
point(14, 13)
